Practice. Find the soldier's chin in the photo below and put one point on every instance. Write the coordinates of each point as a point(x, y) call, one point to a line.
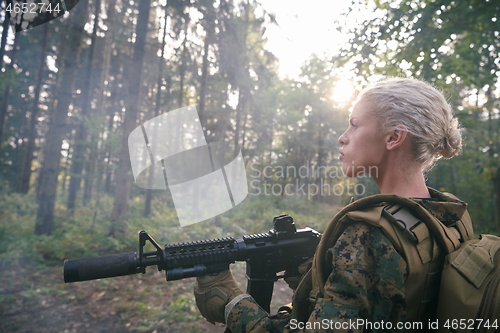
point(352, 172)
point(348, 171)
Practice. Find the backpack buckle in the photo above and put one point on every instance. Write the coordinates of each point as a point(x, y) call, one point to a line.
point(402, 218)
point(313, 296)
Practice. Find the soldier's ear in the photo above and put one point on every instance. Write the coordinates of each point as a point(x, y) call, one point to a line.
point(395, 138)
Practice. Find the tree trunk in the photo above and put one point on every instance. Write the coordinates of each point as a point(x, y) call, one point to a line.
point(123, 174)
point(244, 129)
point(81, 143)
point(109, 157)
point(496, 196)
point(61, 58)
point(4, 106)
point(239, 110)
point(204, 72)
point(57, 128)
point(28, 158)
point(149, 192)
point(490, 105)
point(94, 150)
point(182, 71)
point(5, 33)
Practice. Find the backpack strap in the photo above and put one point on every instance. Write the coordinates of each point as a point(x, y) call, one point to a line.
point(402, 218)
point(424, 259)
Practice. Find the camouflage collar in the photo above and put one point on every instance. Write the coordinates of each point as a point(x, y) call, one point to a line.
point(444, 206)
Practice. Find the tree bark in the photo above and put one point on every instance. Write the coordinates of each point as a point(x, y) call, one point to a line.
point(149, 192)
point(57, 128)
point(182, 71)
point(28, 158)
point(94, 150)
point(4, 106)
point(239, 110)
point(496, 196)
point(81, 143)
point(122, 188)
point(5, 33)
point(204, 67)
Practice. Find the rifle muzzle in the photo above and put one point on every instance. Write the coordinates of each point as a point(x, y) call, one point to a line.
point(84, 269)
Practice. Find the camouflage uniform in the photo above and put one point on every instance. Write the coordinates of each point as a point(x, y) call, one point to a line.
point(367, 281)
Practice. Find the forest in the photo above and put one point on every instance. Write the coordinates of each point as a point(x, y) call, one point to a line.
point(73, 88)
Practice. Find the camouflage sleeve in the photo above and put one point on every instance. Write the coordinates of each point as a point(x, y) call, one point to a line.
point(248, 316)
point(367, 282)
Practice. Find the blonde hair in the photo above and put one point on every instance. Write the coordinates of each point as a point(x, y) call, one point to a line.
point(432, 127)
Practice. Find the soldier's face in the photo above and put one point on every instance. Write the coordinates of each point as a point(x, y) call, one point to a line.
point(363, 144)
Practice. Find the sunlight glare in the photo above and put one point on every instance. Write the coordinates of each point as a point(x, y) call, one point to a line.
point(343, 91)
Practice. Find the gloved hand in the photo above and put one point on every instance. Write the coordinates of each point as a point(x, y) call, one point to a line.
point(293, 281)
point(212, 293)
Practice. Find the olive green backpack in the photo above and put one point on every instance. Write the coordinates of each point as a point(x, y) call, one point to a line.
point(469, 298)
point(453, 282)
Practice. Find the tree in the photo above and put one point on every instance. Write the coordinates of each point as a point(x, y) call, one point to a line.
point(159, 85)
point(80, 150)
point(50, 170)
point(103, 70)
point(8, 76)
point(32, 134)
point(122, 188)
point(208, 22)
point(5, 33)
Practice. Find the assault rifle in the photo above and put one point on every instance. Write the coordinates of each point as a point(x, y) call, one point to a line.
point(282, 249)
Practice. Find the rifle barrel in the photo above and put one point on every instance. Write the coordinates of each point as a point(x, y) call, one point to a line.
point(92, 268)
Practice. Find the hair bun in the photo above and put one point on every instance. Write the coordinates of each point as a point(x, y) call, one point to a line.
point(451, 144)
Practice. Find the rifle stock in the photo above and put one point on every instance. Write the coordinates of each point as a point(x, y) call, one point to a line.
point(281, 249)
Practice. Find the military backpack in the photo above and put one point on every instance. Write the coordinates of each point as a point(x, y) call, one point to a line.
point(453, 282)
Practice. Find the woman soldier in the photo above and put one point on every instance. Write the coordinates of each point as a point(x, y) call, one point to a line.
point(397, 130)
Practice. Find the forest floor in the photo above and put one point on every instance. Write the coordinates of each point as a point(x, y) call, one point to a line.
point(36, 300)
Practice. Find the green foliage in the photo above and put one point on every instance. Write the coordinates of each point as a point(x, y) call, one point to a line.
point(454, 45)
point(17, 243)
point(467, 177)
point(72, 238)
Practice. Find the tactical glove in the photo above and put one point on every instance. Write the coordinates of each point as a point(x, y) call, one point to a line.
point(212, 293)
point(294, 280)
